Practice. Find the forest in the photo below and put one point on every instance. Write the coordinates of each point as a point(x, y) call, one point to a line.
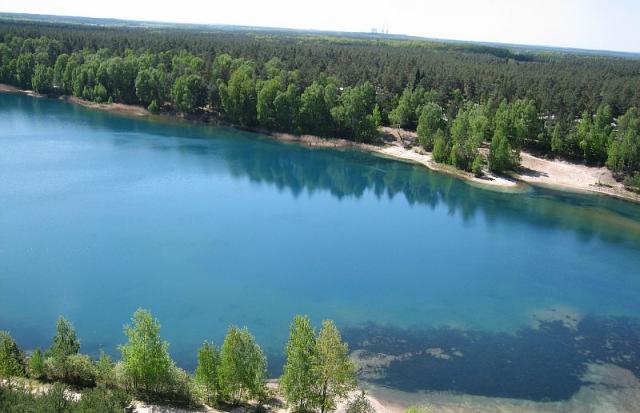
point(473, 106)
point(317, 374)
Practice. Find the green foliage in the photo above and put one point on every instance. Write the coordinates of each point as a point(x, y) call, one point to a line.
point(624, 152)
point(316, 103)
point(266, 110)
point(101, 400)
point(105, 375)
point(42, 80)
point(145, 357)
point(11, 357)
point(299, 380)
point(406, 113)
point(206, 374)
point(354, 113)
point(65, 344)
point(335, 372)
point(239, 97)
point(377, 116)
point(242, 368)
point(187, 93)
point(153, 106)
point(468, 131)
point(501, 156)
point(80, 371)
point(99, 93)
point(97, 400)
point(594, 134)
point(36, 365)
point(477, 165)
point(430, 121)
point(150, 86)
point(65, 341)
point(25, 66)
point(440, 147)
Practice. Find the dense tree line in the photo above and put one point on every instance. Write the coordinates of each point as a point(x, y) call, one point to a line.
point(233, 374)
point(471, 105)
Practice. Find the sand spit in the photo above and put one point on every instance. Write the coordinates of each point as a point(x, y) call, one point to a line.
point(109, 107)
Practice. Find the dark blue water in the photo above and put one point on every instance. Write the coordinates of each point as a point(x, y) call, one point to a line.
point(206, 226)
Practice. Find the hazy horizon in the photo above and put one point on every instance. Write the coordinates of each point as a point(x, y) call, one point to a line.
point(592, 24)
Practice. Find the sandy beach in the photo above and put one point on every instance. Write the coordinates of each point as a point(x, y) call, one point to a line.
point(400, 145)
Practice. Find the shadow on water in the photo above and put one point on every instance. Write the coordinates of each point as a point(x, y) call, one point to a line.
point(350, 173)
point(541, 364)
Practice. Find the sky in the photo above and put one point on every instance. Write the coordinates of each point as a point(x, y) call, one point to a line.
point(586, 24)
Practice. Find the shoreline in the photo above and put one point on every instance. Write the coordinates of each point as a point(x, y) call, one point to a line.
point(535, 171)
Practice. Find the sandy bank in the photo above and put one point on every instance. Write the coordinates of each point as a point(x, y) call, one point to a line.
point(577, 177)
point(12, 89)
point(109, 107)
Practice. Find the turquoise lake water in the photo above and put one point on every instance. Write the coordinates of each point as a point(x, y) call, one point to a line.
point(208, 226)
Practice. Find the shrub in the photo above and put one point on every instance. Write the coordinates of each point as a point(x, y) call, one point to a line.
point(179, 388)
point(76, 370)
point(36, 365)
point(105, 371)
point(101, 400)
point(153, 106)
point(360, 405)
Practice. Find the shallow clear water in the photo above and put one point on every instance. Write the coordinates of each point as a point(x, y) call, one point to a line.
point(209, 226)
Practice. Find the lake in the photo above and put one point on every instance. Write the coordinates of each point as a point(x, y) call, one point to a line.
point(461, 288)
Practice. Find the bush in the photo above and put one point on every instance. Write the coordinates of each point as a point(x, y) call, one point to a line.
point(153, 106)
point(179, 388)
point(57, 400)
point(101, 400)
point(360, 405)
point(81, 371)
point(105, 371)
point(36, 365)
point(77, 370)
